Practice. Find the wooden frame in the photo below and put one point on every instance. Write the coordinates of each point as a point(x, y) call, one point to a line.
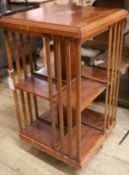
point(68, 131)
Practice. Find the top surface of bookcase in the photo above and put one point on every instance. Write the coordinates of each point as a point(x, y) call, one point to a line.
point(67, 20)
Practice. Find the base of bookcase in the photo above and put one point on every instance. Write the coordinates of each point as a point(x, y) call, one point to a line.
point(39, 134)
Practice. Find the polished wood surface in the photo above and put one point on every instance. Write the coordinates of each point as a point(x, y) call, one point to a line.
point(68, 131)
point(94, 73)
point(41, 131)
point(89, 91)
point(69, 20)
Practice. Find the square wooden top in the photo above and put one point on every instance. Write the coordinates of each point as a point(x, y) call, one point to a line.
point(67, 20)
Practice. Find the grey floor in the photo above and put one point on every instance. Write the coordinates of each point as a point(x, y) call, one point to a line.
point(18, 158)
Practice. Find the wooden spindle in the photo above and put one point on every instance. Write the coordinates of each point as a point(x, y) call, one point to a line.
point(19, 76)
point(59, 86)
point(69, 106)
point(23, 55)
point(30, 53)
point(112, 74)
point(11, 68)
point(32, 69)
point(78, 99)
point(25, 75)
point(119, 62)
point(52, 107)
point(116, 70)
point(106, 117)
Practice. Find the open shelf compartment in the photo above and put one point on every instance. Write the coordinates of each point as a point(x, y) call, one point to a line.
point(41, 131)
point(91, 138)
point(90, 89)
point(94, 73)
point(36, 86)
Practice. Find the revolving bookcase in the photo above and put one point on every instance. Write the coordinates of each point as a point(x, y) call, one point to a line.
point(68, 130)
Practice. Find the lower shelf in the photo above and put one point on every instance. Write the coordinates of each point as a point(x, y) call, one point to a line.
point(91, 137)
point(39, 134)
point(93, 119)
point(41, 131)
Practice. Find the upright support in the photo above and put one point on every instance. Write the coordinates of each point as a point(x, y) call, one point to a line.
point(78, 99)
point(106, 117)
point(59, 87)
point(122, 26)
point(52, 107)
point(32, 69)
point(11, 69)
point(69, 106)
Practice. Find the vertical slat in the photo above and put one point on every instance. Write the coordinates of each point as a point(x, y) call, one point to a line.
point(12, 76)
point(16, 56)
point(69, 106)
point(25, 75)
point(23, 55)
point(59, 86)
point(19, 76)
point(119, 61)
point(116, 69)
point(30, 53)
point(31, 68)
point(47, 41)
point(112, 74)
point(106, 117)
point(78, 99)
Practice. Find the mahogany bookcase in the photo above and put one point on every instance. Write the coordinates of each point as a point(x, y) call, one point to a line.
point(68, 131)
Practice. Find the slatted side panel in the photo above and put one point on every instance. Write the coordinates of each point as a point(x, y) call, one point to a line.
point(66, 112)
point(12, 75)
point(16, 48)
point(113, 69)
point(121, 31)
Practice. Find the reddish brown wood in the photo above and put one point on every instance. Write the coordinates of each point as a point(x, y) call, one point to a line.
point(41, 131)
point(94, 73)
point(106, 122)
point(50, 88)
point(69, 94)
point(11, 68)
point(36, 86)
point(59, 86)
point(90, 137)
point(32, 70)
point(71, 88)
point(89, 91)
point(69, 20)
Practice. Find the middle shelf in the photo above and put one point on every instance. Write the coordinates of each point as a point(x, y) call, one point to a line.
point(90, 89)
